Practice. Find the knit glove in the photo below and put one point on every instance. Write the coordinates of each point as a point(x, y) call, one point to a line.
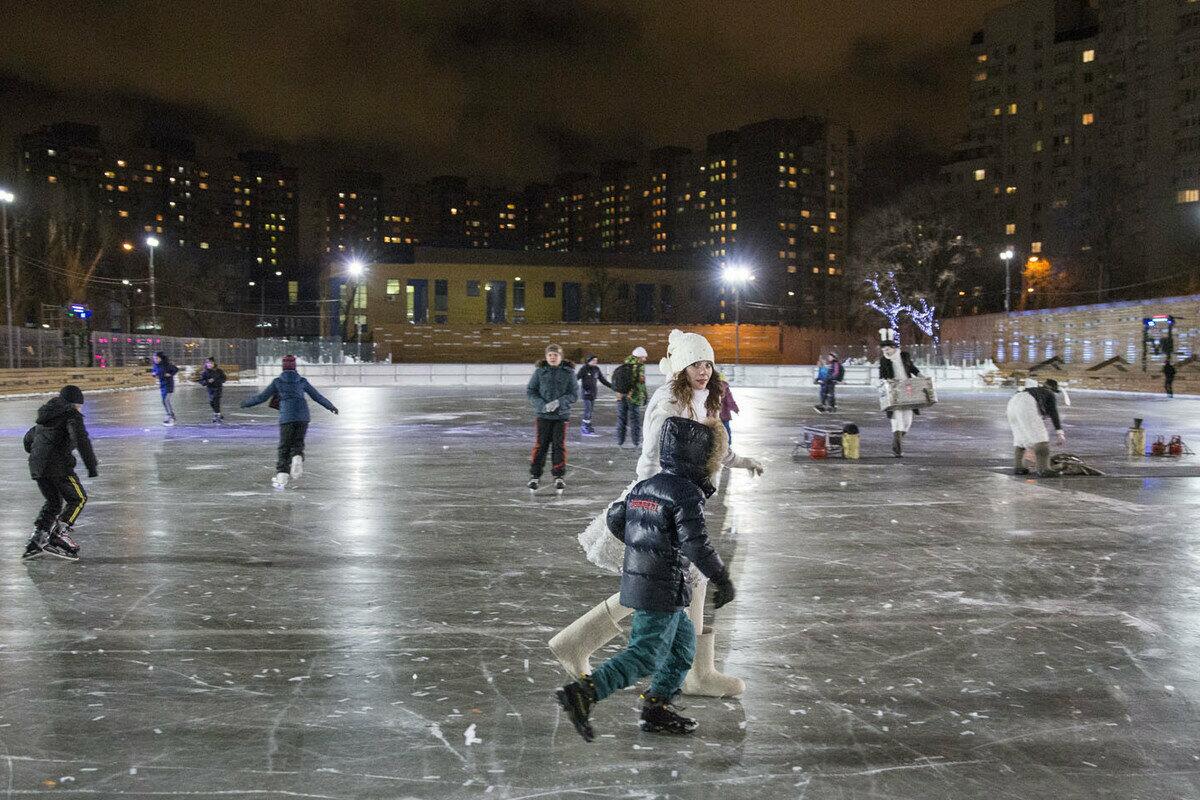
point(550, 407)
point(724, 593)
point(745, 462)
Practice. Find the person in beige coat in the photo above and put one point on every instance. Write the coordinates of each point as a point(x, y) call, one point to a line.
point(691, 392)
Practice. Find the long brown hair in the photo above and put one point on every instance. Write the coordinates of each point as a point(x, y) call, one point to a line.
point(681, 393)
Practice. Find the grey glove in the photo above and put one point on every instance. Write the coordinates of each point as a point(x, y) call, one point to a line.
point(551, 406)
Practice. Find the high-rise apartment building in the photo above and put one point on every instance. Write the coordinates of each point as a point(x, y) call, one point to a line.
point(1083, 146)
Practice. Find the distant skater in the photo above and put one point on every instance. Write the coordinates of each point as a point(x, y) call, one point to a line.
point(289, 390)
point(589, 376)
point(829, 375)
point(213, 379)
point(165, 371)
point(896, 364)
point(729, 407)
point(1169, 379)
point(59, 430)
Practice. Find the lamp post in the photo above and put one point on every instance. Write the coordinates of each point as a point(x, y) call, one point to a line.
point(6, 199)
point(737, 277)
point(1007, 257)
point(356, 269)
point(152, 242)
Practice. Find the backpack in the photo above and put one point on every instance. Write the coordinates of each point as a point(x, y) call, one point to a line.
point(622, 379)
point(837, 373)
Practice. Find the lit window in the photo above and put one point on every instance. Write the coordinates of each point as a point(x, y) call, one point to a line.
point(122, 213)
point(51, 179)
point(981, 58)
point(1035, 247)
point(833, 256)
point(1088, 119)
point(1010, 190)
point(832, 270)
point(1089, 56)
point(981, 76)
point(833, 215)
point(204, 245)
point(1038, 146)
point(996, 111)
point(1188, 196)
point(1012, 108)
point(980, 174)
point(1010, 228)
point(51, 153)
point(393, 286)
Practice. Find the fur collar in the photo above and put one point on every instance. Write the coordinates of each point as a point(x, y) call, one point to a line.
point(720, 447)
point(565, 364)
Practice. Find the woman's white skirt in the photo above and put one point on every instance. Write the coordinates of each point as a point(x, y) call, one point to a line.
point(601, 547)
point(1026, 421)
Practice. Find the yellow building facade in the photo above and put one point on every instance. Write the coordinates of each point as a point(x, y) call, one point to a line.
point(457, 287)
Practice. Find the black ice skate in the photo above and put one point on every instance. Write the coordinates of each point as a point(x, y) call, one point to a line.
point(533, 484)
point(659, 717)
point(560, 486)
point(34, 548)
point(819, 409)
point(577, 700)
point(60, 544)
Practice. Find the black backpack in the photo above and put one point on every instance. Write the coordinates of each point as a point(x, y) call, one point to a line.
point(622, 379)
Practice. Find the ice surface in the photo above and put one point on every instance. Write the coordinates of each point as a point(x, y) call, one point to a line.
point(379, 629)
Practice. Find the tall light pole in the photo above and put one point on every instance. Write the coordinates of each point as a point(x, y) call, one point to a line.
point(1007, 257)
point(152, 242)
point(356, 269)
point(6, 199)
point(737, 277)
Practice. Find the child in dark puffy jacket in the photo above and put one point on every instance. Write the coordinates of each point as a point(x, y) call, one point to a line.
point(290, 388)
point(165, 371)
point(213, 379)
point(589, 376)
point(58, 431)
point(661, 522)
point(551, 392)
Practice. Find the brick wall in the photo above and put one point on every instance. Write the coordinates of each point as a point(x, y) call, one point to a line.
point(760, 344)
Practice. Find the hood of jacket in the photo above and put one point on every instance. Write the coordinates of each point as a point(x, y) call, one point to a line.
point(688, 448)
point(54, 410)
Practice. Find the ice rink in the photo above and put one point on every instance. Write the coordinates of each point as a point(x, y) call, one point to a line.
point(923, 628)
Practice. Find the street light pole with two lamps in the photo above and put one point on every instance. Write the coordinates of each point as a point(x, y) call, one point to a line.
point(356, 269)
point(1007, 257)
point(152, 242)
point(737, 276)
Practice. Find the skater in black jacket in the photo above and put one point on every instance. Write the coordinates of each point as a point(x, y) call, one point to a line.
point(551, 391)
point(58, 431)
point(213, 378)
point(589, 375)
point(661, 522)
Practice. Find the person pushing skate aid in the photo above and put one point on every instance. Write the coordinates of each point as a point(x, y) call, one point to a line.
point(661, 522)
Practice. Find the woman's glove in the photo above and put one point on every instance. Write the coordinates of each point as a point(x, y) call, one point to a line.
point(744, 462)
point(550, 407)
point(724, 593)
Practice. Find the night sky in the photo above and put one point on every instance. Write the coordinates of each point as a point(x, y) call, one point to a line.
point(509, 90)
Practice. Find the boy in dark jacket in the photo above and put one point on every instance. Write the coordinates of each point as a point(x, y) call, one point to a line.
point(165, 371)
point(589, 375)
point(294, 417)
point(213, 378)
point(661, 521)
point(551, 391)
point(59, 430)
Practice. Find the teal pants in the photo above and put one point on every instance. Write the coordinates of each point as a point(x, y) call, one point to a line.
point(662, 643)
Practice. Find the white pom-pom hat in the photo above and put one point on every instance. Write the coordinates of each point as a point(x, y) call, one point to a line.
point(683, 350)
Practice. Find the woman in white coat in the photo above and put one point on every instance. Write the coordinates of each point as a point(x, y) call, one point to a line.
point(691, 392)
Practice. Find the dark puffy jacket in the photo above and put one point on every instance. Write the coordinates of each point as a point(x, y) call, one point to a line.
point(661, 522)
point(553, 383)
point(59, 430)
point(213, 379)
point(590, 376)
point(887, 373)
point(1047, 404)
point(165, 372)
point(291, 389)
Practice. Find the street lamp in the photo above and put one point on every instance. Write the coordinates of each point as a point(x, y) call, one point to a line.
point(356, 269)
point(737, 276)
point(6, 199)
point(1007, 257)
point(152, 242)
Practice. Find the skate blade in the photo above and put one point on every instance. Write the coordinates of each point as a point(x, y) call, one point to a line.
point(648, 728)
point(582, 728)
point(33, 556)
point(62, 556)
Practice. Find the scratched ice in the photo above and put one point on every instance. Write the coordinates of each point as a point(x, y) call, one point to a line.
point(379, 629)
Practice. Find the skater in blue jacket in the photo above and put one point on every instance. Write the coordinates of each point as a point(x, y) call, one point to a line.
point(287, 394)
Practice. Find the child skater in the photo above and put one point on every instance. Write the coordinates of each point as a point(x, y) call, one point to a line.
point(290, 389)
point(551, 391)
point(661, 521)
point(213, 379)
point(58, 431)
point(165, 371)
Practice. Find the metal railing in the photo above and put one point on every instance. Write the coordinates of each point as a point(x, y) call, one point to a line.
point(314, 351)
point(54, 347)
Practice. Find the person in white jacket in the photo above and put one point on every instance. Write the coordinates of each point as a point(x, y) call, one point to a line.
point(690, 392)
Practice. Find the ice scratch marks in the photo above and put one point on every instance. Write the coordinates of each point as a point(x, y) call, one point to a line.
point(469, 736)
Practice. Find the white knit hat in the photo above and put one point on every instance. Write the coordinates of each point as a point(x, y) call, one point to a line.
point(639, 352)
point(683, 350)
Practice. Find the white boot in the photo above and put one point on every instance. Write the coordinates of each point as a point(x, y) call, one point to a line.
point(280, 480)
point(703, 679)
point(574, 644)
point(297, 466)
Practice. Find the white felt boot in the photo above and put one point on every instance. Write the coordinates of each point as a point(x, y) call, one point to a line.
point(703, 679)
point(574, 644)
